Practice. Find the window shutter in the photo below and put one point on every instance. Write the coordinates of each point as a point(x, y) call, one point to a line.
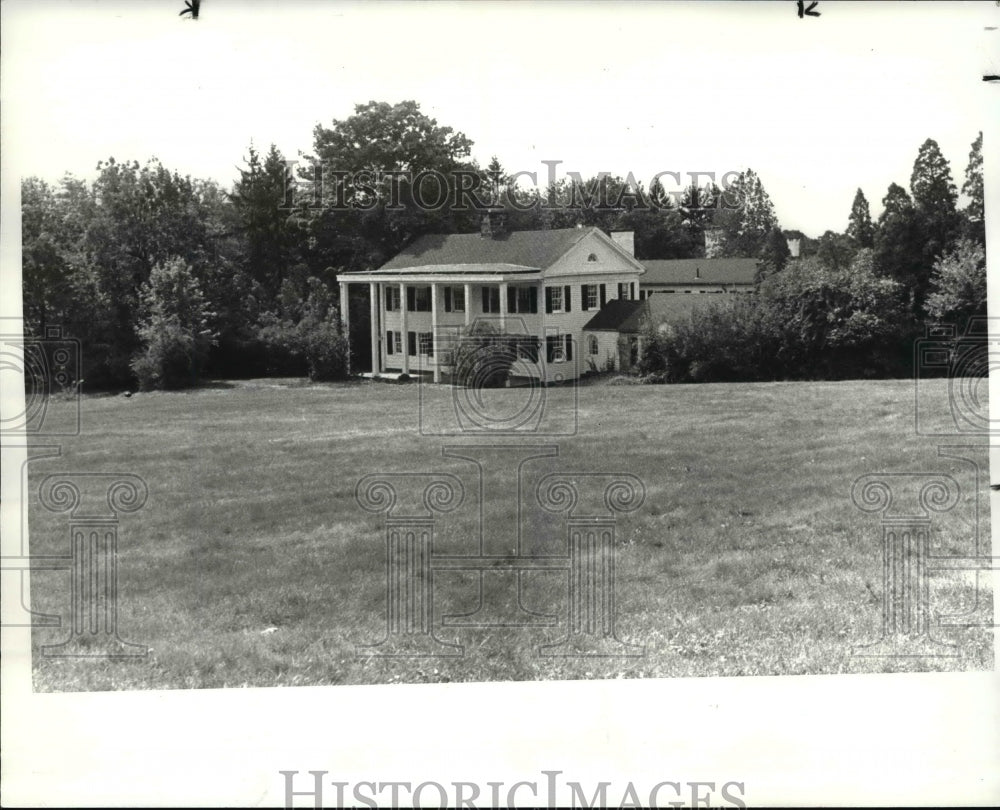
point(566, 299)
point(631, 290)
point(583, 297)
point(411, 299)
point(447, 299)
point(411, 343)
point(569, 347)
point(548, 300)
point(388, 342)
point(533, 299)
point(512, 299)
point(604, 295)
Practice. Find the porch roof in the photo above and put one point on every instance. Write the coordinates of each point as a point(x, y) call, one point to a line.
point(435, 272)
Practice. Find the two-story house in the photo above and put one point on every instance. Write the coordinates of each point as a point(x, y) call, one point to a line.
point(545, 285)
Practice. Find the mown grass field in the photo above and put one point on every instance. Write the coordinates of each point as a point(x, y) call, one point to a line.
point(252, 564)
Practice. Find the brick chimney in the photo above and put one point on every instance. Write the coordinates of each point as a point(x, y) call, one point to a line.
point(625, 240)
point(493, 224)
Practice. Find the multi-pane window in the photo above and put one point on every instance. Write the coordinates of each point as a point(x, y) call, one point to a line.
point(392, 299)
point(522, 299)
point(454, 299)
point(592, 344)
point(558, 348)
point(555, 299)
point(589, 294)
point(558, 299)
point(527, 349)
point(418, 299)
point(491, 299)
point(427, 344)
point(623, 292)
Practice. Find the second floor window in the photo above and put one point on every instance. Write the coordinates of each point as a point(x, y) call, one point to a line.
point(522, 299)
point(454, 299)
point(418, 299)
point(491, 299)
point(589, 296)
point(392, 299)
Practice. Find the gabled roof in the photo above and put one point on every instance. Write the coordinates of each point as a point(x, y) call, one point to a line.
point(629, 316)
point(525, 249)
point(699, 271)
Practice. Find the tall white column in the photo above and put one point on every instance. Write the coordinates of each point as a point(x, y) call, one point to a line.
point(542, 357)
point(434, 331)
point(468, 306)
point(373, 288)
point(503, 306)
point(345, 320)
point(402, 326)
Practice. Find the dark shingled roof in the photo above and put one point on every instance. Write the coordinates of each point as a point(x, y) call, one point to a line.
point(629, 316)
point(525, 249)
point(699, 271)
point(613, 314)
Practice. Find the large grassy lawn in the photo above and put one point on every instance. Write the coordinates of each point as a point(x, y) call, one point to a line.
point(253, 565)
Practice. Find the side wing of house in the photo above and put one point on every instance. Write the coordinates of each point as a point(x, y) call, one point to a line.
point(592, 273)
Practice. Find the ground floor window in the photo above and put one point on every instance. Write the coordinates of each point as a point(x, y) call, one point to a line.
point(592, 344)
point(527, 349)
point(558, 348)
point(427, 344)
point(393, 342)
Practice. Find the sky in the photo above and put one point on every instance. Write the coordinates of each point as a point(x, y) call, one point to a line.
point(816, 106)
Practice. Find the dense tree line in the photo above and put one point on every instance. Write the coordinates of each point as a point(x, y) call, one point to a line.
point(166, 279)
point(854, 302)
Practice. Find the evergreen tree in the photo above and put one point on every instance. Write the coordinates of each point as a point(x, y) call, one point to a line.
point(746, 216)
point(859, 225)
point(973, 189)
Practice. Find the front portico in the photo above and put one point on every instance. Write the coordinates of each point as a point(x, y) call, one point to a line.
point(416, 315)
point(543, 285)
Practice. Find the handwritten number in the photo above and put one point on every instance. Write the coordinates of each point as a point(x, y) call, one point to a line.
point(807, 12)
point(193, 6)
